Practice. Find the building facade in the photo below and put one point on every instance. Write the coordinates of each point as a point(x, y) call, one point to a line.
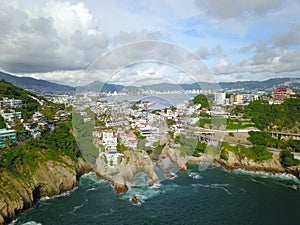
point(7, 137)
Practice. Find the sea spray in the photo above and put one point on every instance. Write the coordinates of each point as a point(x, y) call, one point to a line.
point(176, 202)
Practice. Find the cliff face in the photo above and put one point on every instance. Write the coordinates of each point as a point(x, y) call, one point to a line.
point(271, 165)
point(129, 165)
point(234, 161)
point(19, 193)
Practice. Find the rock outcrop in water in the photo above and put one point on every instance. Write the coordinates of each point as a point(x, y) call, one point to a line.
point(271, 165)
point(48, 179)
point(171, 156)
point(130, 164)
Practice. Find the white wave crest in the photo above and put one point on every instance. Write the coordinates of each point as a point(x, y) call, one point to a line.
point(282, 176)
point(214, 186)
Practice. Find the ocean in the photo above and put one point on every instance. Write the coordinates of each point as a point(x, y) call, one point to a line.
point(161, 100)
point(212, 196)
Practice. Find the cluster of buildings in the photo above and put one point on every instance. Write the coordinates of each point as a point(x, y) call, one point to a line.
point(280, 94)
point(233, 99)
point(7, 103)
point(12, 117)
point(121, 122)
point(9, 115)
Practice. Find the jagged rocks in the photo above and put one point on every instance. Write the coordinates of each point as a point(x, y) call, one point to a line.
point(129, 165)
point(48, 179)
point(120, 184)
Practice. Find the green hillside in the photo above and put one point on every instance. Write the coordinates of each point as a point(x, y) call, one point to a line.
point(10, 91)
point(37, 86)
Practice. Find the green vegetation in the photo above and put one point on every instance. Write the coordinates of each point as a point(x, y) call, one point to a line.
point(50, 110)
point(262, 138)
point(218, 122)
point(23, 159)
point(287, 158)
point(141, 143)
point(148, 149)
point(231, 134)
point(255, 153)
point(203, 121)
point(235, 124)
point(10, 91)
point(170, 122)
point(224, 154)
point(177, 139)
point(134, 105)
point(211, 150)
point(293, 145)
point(239, 109)
point(261, 152)
point(121, 147)
point(201, 146)
point(278, 117)
point(201, 99)
point(158, 148)
point(265, 139)
point(84, 133)
point(190, 146)
point(2, 123)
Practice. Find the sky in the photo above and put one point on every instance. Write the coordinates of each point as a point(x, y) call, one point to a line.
point(68, 42)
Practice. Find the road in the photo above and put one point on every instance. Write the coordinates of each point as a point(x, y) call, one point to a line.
point(273, 150)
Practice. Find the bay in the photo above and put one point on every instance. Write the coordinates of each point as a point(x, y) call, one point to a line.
point(212, 196)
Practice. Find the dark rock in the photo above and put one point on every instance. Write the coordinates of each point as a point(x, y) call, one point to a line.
point(135, 200)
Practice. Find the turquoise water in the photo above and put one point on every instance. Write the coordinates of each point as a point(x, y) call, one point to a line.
point(213, 196)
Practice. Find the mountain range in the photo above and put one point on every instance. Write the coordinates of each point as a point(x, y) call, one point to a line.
point(43, 87)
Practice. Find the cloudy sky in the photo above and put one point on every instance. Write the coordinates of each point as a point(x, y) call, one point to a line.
point(64, 41)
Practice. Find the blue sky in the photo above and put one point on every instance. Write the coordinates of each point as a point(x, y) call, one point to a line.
point(237, 40)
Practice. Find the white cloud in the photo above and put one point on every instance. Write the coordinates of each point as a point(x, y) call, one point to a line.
point(226, 9)
point(57, 40)
point(289, 38)
point(62, 36)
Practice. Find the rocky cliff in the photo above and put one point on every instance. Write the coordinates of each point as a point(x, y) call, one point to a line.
point(127, 166)
point(271, 165)
point(20, 191)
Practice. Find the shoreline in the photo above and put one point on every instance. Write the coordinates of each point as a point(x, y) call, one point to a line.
point(288, 173)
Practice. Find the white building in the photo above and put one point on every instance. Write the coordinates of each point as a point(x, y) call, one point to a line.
point(149, 130)
point(130, 140)
point(11, 103)
point(220, 97)
point(11, 116)
point(109, 140)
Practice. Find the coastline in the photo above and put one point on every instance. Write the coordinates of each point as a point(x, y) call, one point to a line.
point(49, 180)
point(82, 168)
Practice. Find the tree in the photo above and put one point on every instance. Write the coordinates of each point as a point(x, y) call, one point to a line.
point(2, 123)
point(262, 138)
point(201, 99)
point(261, 152)
point(287, 158)
point(170, 122)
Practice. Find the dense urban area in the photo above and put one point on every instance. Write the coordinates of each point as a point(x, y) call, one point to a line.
point(101, 134)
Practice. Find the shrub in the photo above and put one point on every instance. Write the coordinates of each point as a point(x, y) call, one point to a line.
point(287, 158)
point(224, 154)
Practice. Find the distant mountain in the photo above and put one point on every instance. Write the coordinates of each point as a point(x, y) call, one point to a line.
point(43, 87)
point(40, 87)
point(256, 85)
point(265, 85)
point(98, 86)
